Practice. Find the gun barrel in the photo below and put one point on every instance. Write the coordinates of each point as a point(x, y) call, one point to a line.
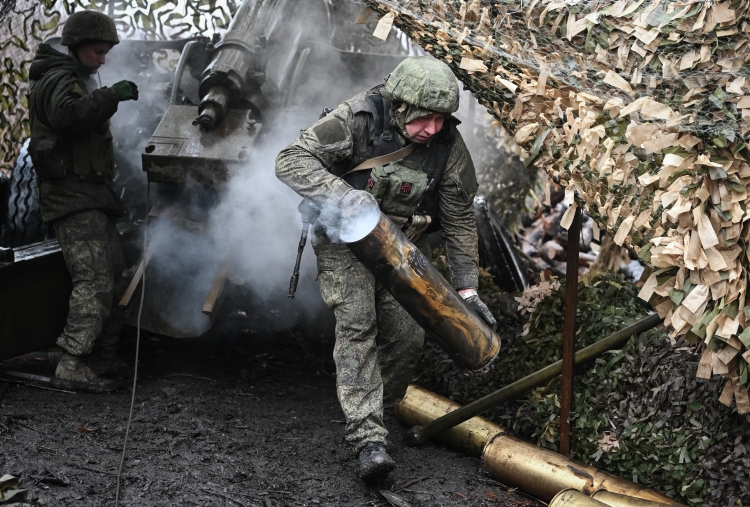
point(237, 64)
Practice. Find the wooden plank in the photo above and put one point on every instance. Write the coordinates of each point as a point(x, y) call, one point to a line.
point(216, 288)
point(135, 281)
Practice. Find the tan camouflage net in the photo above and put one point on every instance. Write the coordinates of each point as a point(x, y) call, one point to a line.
point(21, 32)
point(639, 106)
point(26, 23)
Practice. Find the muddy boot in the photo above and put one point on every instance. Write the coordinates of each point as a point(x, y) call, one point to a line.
point(104, 358)
point(73, 373)
point(374, 462)
point(105, 362)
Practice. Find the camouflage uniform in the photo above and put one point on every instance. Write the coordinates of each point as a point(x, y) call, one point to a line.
point(377, 342)
point(91, 247)
point(71, 147)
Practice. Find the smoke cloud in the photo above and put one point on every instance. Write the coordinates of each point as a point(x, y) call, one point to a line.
point(251, 223)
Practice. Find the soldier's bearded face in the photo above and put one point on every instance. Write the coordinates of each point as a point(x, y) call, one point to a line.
point(93, 55)
point(424, 127)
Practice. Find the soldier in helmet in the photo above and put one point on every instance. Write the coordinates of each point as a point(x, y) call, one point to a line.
point(429, 185)
point(71, 149)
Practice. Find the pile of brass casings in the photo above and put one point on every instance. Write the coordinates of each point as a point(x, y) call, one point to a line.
point(418, 286)
point(546, 473)
point(534, 470)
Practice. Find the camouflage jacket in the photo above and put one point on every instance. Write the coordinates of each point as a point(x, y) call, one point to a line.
point(346, 134)
point(68, 113)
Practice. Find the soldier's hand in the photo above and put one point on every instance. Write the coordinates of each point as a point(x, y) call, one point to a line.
point(472, 299)
point(125, 90)
point(309, 210)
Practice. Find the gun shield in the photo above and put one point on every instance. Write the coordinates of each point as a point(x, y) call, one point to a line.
point(418, 286)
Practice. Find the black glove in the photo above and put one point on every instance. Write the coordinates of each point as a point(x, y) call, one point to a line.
point(478, 306)
point(125, 90)
point(309, 211)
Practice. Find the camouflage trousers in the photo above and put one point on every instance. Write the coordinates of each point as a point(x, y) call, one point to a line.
point(93, 254)
point(377, 343)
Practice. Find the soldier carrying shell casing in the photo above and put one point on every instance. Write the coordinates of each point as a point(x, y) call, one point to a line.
point(427, 183)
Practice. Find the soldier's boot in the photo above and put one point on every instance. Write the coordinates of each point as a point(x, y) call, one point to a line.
point(73, 373)
point(106, 361)
point(374, 462)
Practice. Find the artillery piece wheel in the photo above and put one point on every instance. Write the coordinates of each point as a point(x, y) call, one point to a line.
point(21, 221)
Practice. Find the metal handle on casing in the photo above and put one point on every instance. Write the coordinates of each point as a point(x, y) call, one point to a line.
point(418, 435)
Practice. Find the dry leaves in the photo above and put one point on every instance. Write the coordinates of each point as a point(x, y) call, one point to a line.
point(532, 296)
point(608, 442)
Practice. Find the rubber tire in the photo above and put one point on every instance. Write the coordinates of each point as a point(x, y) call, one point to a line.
point(4, 184)
point(22, 223)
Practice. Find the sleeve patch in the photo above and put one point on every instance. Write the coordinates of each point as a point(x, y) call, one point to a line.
point(78, 90)
point(469, 178)
point(329, 132)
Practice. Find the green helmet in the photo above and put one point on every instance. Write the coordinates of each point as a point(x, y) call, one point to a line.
point(89, 26)
point(425, 83)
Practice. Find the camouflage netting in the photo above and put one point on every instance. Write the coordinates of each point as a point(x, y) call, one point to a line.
point(640, 108)
point(28, 23)
point(638, 412)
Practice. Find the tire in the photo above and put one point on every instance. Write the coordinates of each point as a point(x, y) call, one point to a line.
point(22, 223)
point(4, 183)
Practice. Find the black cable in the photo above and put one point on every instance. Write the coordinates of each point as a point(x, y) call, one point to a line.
point(137, 347)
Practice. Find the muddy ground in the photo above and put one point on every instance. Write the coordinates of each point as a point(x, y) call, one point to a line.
point(235, 420)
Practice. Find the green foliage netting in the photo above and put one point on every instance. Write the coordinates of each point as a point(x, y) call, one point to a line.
point(27, 23)
point(671, 432)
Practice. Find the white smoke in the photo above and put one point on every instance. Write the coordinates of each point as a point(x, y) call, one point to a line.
point(358, 220)
point(253, 224)
point(257, 225)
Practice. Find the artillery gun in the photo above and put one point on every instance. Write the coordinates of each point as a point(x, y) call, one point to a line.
point(190, 132)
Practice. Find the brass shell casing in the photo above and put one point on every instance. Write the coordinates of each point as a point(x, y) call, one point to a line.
point(617, 500)
point(545, 473)
point(534, 470)
point(421, 406)
point(418, 286)
point(573, 498)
